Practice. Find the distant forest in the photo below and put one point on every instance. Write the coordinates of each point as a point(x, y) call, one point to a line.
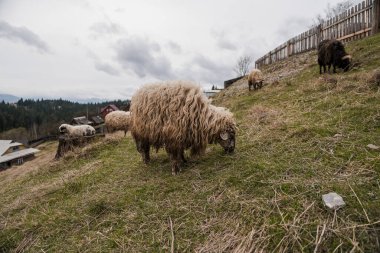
point(31, 119)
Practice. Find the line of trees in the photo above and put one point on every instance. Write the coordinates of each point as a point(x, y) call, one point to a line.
point(31, 119)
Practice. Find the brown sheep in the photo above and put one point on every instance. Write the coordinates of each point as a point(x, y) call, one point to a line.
point(255, 79)
point(117, 120)
point(177, 115)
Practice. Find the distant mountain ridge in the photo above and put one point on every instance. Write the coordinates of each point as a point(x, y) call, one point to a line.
point(7, 98)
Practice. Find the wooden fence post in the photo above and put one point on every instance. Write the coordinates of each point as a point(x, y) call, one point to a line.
point(319, 34)
point(376, 17)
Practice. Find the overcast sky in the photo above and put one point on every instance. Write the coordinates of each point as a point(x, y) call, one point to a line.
point(107, 49)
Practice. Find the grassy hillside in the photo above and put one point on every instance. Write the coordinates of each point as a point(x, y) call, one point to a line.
point(301, 136)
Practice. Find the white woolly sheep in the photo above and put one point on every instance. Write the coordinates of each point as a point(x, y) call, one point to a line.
point(117, 120)
point(178, 116)
point(255, 79)
point(77, 131)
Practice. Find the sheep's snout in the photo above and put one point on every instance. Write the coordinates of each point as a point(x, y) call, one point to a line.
point(230, 148)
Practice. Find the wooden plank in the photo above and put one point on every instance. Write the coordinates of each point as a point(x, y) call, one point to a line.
point(355, 34)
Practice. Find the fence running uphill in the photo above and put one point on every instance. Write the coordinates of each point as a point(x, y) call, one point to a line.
point(355, 23)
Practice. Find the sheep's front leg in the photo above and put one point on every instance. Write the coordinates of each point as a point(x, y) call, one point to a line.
point(174, 161)
point(182, 156)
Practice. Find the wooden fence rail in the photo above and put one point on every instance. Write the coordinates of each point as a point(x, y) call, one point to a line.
point(355, 23)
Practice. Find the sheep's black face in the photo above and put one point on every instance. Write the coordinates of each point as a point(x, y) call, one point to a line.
point(227, 141)
point(345, 63)
point(62, 130)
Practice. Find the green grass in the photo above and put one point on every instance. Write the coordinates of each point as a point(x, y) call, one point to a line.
point(266, 196)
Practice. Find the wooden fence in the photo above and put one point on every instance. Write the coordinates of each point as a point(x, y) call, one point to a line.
point(357, 22)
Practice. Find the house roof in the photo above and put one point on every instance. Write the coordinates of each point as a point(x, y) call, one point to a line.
point(6, 144)
point(81, 120)
point(18, 154)
point(114, 107)
point(97, 120)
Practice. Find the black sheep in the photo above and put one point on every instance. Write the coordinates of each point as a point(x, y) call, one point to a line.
point(331, 52)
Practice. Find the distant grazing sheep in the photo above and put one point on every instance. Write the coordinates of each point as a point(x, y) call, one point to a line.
point(332, 52)
point(118, 120)
point(177, 115)
point(77, 131)
point(255, 79)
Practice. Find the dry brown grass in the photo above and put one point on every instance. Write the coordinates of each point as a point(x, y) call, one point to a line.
point(297, 140)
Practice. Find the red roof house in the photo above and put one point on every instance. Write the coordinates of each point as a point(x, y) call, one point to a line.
point(109, 108)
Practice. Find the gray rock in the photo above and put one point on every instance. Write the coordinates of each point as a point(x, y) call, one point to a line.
point(333, 200)
point(374, 147)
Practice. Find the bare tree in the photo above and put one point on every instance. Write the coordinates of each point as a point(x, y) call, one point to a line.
point(242, 66)
point(332, 11)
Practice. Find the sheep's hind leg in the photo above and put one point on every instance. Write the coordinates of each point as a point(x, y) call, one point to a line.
point(143, 147)
point(146, 150)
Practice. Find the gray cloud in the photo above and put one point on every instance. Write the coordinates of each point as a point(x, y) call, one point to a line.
point(143, 57)
point(206, 70)
point(106, 28)
point(174, 47)
point(223, 42)
point(292, 27)
point(107, 68)
point(24, 35)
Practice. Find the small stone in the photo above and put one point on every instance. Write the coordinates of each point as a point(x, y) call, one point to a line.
point(333, 200)
point(374, 147)
point(338, 135)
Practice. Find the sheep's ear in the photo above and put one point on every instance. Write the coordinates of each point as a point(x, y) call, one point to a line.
point(224, 136)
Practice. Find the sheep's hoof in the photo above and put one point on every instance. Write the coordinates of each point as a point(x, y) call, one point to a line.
point(175, 170)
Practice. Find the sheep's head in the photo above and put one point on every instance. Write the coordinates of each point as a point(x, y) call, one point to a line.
point(225, 135)
point(346, 62)
point(63, 128)
point(226, 139)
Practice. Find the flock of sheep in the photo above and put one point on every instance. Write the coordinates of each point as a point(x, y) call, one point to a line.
point(177, 116)
point(172, 115)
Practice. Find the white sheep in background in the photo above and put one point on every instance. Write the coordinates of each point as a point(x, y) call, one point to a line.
point(118, 120)
point(77, 131)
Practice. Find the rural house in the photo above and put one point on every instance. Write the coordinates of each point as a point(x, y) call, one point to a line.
point(81, 121)
point(97, 120)
point(14, 153)
point(109, 108)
